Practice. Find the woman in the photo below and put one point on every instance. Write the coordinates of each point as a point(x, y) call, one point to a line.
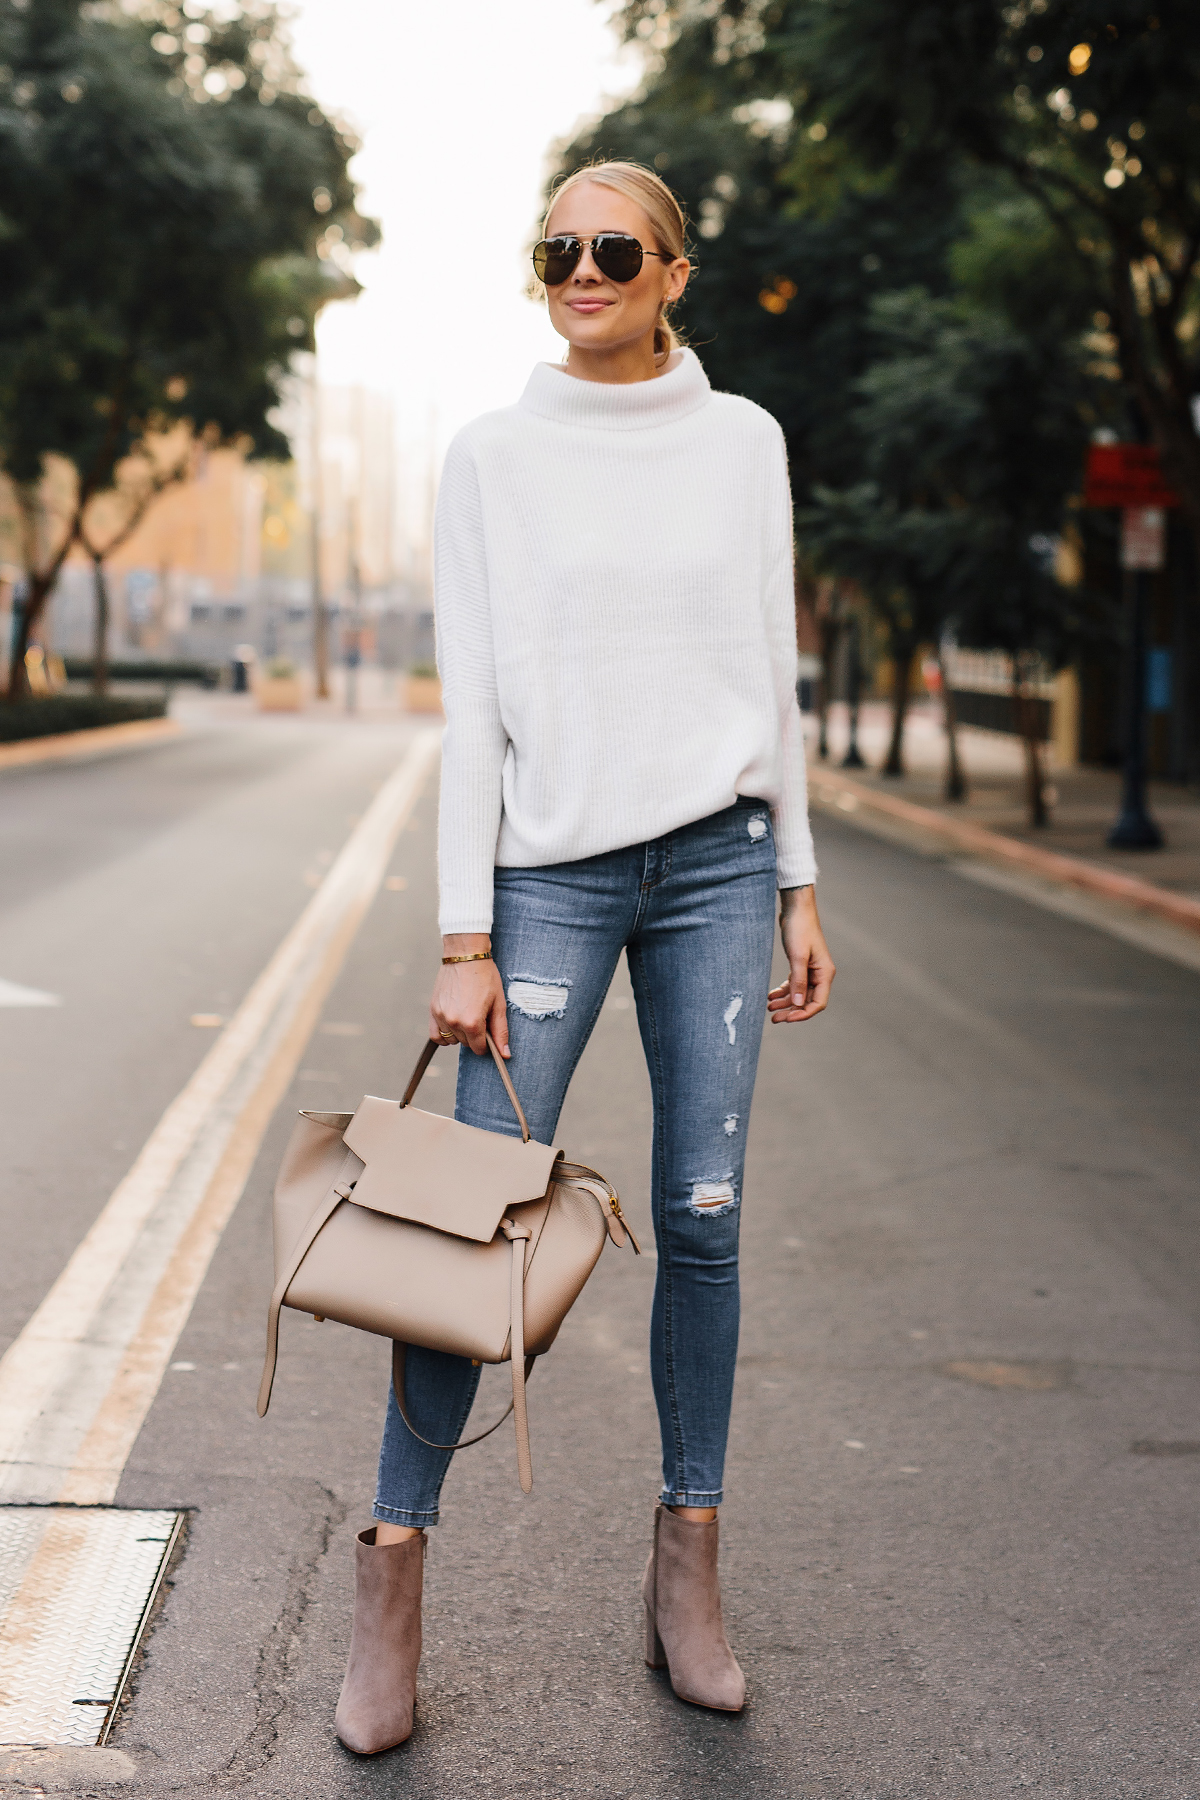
point(623, 770)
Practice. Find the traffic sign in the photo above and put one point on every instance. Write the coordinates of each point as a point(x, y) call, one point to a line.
point(1126, 475)
point(1143, 537)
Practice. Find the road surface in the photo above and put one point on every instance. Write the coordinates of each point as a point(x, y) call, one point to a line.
point(959, 1538)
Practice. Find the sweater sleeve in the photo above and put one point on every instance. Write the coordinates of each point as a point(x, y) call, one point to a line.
point(793, 837)
point(475, 741)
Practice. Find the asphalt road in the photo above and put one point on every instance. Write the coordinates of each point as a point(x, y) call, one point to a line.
point(959, 1542)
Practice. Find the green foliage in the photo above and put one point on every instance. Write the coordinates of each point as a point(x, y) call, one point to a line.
point(164, 239)
point(1090, 107)
point(794, 240)
point(174, 214)
point(971, 438)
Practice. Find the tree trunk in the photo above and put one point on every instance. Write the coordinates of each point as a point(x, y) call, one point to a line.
point(956, 781)
point(100, 641)
point(39, 583)
point(831, 630)
point(902, 659)
point(37, 588)
point(1027, 725)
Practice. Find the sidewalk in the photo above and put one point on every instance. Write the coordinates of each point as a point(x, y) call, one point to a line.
point(1084, 801)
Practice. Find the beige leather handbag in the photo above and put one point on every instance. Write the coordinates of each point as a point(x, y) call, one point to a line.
point(430, 1232)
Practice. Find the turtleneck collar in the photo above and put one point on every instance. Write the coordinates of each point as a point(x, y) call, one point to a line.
point(632, 406)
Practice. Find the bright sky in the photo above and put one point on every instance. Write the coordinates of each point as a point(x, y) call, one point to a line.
point(456, 104)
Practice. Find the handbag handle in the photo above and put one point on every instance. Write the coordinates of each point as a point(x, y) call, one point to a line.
point(426, 1057)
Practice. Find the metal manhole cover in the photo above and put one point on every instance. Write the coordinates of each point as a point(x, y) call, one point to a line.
point(76, 1585)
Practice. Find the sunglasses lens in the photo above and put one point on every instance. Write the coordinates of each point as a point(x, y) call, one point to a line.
point(617, 256)
point(555, 258)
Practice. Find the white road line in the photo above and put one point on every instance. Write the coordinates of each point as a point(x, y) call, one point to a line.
point(77, 1383)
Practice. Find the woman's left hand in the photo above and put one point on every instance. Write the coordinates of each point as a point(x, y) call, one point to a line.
point(806, 992)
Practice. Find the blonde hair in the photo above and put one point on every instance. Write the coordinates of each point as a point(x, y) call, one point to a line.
point(668, 223)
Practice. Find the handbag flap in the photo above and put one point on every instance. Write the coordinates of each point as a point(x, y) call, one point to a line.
point(436, 1171)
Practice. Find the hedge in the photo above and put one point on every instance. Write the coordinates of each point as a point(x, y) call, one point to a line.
point(71, 712)
point(79, 668)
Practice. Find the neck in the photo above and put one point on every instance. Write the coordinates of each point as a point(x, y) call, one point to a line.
point(619, 367)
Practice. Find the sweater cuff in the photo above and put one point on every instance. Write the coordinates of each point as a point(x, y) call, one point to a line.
point(467, 926)
point(796, 872)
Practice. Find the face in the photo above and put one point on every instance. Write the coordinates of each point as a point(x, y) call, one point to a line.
point(590, 311)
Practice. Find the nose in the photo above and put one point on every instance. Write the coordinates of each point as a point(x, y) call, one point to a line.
point(585, 268)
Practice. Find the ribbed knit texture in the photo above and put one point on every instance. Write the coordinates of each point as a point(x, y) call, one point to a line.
point(615, 625)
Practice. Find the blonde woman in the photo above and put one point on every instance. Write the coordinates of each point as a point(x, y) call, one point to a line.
point(623, 770)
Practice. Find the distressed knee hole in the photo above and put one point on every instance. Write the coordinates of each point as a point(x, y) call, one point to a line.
point(712, 1197)
point(731, 1124)
point(730, 1014)
point(538, 999)
point(757, 828)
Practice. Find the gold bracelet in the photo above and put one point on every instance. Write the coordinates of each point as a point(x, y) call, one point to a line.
point(475, 956)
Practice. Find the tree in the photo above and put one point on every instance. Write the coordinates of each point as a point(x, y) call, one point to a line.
point(1092, 107)
point(156, 462)
point(795, 236)
point(968, 480)
point(176, 213)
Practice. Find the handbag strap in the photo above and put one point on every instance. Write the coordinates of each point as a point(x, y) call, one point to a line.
point(522, 1367)
point(619, 1227)
point(426, 1057)
point(339, 1192)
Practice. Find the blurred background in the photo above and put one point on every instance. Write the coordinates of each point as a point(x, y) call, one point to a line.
point(258, 264)
point(269, 262)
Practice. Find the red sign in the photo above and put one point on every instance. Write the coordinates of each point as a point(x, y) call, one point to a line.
point(1126, 475)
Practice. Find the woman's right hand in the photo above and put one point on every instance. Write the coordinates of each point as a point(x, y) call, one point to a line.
point(468, 999)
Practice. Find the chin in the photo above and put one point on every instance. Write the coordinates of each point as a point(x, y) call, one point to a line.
point(598, 333)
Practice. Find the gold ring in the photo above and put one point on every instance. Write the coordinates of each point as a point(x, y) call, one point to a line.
point(446, 1038)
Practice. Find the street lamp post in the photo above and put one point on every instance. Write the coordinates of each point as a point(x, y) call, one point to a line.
point(1142, 543)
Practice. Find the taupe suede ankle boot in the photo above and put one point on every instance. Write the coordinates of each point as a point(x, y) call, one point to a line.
point(684, 1631)
point(375, 1707)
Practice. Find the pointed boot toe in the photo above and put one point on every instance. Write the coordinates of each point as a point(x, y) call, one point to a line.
point(375, 1707)
point(684, 1628)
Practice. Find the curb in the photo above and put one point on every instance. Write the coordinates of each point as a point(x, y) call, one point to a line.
point(1070, 871)
point(80, 745)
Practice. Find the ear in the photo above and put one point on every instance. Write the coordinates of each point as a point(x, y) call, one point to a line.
point(677, 279)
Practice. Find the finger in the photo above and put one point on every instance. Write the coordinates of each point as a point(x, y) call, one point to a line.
point(498, 1020)
point(805, 996)
point(803, 976)
point(818, 1000)
point(814, 1004)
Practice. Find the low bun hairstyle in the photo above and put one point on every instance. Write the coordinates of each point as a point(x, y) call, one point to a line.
point(667, 222)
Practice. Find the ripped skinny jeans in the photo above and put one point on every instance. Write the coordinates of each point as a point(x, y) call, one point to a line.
point(694, 912)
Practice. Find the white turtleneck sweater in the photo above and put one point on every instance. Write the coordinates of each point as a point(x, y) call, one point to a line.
point(615, 627)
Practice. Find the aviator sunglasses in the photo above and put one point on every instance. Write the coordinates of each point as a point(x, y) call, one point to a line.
point(614, 254)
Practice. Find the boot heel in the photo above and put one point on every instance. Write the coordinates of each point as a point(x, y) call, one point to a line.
point(656, 1656)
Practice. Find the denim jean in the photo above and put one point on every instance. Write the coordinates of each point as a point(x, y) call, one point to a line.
point(694, 913)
